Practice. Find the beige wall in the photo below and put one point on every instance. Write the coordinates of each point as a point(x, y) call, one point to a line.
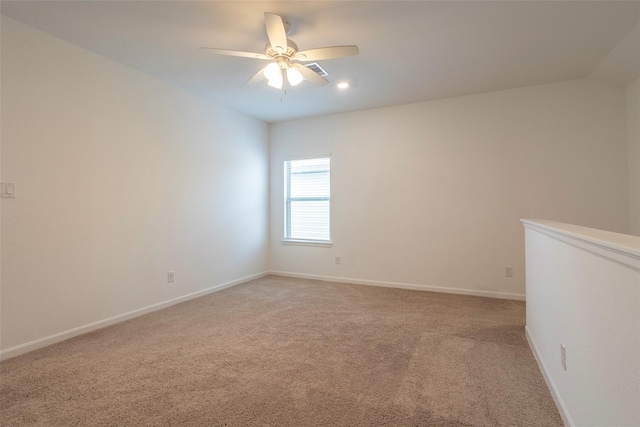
point(431, 193)
point(120, 178)
point(633, 141)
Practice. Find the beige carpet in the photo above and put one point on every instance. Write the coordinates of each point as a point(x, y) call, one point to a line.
point(291, 352)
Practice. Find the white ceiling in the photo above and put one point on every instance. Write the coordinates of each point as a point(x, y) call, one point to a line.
point(409, 51)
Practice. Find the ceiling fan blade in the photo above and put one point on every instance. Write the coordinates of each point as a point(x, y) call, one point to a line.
point(257, 77)
point(323, 53)
point(234, 53)
point(310, 75)
point(276, 31)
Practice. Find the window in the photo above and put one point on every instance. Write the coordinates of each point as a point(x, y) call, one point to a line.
point(307, 200)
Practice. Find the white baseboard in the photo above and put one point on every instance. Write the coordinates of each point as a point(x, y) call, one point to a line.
point(490, 294)
point(61, 336)
point(552, 387)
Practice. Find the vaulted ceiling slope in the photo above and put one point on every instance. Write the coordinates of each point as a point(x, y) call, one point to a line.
point(409, 51)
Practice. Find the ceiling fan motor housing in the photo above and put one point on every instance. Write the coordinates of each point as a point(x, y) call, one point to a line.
point(291, 51)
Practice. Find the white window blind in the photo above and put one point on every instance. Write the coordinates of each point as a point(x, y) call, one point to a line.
point(307, 199)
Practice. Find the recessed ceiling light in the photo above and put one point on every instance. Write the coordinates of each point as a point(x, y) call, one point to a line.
point(343, 85)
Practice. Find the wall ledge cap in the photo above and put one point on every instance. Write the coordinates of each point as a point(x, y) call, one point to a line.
point(621, 248)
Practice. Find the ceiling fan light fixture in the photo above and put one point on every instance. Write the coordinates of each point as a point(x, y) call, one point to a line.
point(276, 81)
point(272, 71)
point(294, 76)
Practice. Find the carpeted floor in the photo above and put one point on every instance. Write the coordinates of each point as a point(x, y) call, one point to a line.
point(291, 352)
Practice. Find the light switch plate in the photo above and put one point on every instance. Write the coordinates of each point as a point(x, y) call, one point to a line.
point(8, 190)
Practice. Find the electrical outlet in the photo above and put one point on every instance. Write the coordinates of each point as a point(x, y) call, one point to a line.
point(338, 260)
point(170, 276)
point(508, 271)
point(563, 356)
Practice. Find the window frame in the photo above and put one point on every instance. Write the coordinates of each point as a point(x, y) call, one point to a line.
point(287, 204)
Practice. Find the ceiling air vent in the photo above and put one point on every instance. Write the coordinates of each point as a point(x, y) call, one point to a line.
point(317, 68)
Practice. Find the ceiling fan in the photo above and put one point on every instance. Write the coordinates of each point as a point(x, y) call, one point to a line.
point(282, 53)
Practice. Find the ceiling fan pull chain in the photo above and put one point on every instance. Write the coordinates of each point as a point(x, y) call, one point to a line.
point(283, 91)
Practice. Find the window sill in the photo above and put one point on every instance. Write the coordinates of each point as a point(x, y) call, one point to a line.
point(318, 243)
